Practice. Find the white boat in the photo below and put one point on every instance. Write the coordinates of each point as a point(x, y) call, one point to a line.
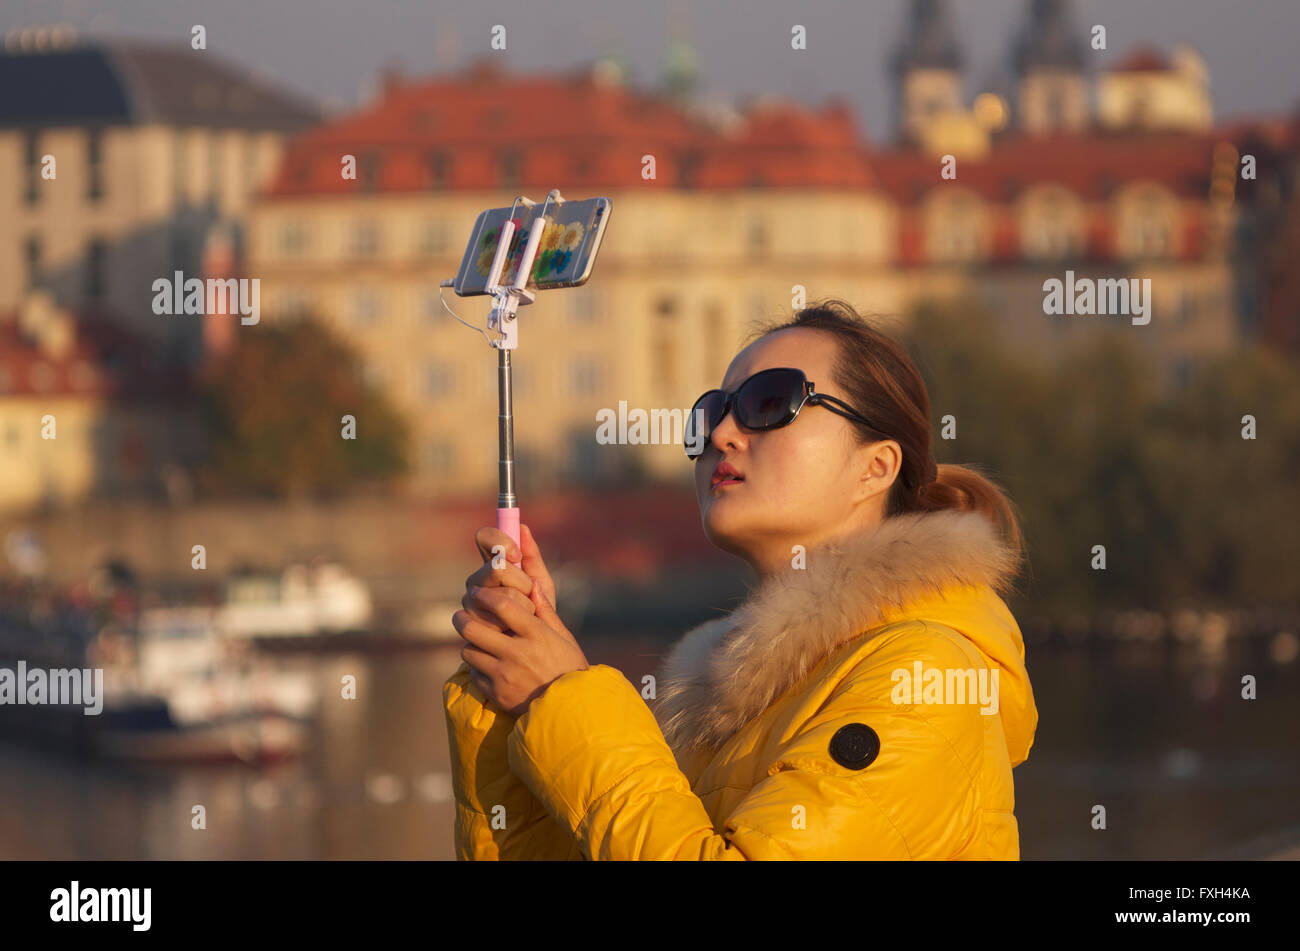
point(302, 601)
point(179, 690)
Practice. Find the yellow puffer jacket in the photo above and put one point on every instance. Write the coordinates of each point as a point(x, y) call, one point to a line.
point(822, 719)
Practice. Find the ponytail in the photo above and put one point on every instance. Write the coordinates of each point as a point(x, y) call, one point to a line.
point(963, 489)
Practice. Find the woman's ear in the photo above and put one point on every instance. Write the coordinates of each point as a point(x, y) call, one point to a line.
point(879, 465)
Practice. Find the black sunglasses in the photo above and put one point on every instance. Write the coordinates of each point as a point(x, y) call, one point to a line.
point(767, 400)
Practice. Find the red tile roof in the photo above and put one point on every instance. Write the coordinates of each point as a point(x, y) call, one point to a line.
point(1143, 59)
point(102, 361)
point(1090, 165)
point(569, 130)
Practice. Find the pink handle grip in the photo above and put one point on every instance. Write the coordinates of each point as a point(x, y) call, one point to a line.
point(508, 522)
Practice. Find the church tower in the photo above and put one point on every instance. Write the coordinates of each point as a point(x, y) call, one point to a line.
point(927, 69)
point(1049, 58)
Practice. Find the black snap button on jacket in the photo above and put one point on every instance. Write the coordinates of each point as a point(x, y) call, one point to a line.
point(855, 746)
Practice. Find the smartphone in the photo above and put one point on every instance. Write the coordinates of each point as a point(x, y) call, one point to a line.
point(565, 258)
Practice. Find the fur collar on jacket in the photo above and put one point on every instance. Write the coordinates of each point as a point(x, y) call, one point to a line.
point(727, 671)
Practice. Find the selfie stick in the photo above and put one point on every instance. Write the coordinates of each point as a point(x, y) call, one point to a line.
point(502, 320)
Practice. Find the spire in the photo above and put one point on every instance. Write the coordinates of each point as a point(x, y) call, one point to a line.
point(928, 42)
point(1050, 39)
point(681, 70)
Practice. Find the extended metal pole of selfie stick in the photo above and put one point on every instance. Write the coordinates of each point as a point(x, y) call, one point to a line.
point(503, 320)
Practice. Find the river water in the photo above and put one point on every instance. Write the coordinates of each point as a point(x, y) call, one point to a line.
point(1184, 767)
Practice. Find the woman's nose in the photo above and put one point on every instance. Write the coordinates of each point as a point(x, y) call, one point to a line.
point(726, 434)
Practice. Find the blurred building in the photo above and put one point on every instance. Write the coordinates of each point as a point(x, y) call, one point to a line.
point(116, 159)
point(1040, 183)
point(715, 218)
point(742, 208)
point(722, 217)
point(83, 410)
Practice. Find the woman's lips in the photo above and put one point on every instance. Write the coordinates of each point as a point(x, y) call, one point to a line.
point(726, 474)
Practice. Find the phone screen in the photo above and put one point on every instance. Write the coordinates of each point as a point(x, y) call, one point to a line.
point(564, 257)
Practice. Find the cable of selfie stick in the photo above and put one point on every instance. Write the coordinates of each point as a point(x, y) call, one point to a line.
point(443, 301)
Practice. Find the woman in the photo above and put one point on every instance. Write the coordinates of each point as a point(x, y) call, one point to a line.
point(809, 723)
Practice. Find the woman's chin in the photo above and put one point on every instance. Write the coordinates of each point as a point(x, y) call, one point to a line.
point(722, 527)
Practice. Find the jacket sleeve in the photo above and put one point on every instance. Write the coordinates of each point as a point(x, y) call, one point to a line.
point(592, 752)
point(497, 817)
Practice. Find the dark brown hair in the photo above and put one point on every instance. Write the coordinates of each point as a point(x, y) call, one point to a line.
point(881, 382)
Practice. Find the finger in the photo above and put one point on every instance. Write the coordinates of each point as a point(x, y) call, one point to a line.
point(479, 660)
point(532, 563)
point(544, 609)
point(504, 605)
point(547, 615)
point(509, 576)
point(483, 636)
point(464, 616)
point(489, 537)
point(485, 602)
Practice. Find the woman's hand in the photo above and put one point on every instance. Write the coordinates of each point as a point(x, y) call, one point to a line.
point(516, 643)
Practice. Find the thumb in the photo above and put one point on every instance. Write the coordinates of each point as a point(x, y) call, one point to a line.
point(532, 562)
point(546, 611)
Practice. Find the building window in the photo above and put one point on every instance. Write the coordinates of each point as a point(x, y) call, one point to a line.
point(180, 251)
point(663, 347)
point(295, 303)
point(688, 170)
point(96, 254)
point(511, 167)
point(439, 169)
point(33, 262)
point(442, 456)
point(370, 164)
point(33, 165)
point(367, 307)
point(214, 168)
point(585, 377)
point(1051, 226)
point(713, 337)
point(1146, 221)
point(584, 305)
point(94, 165)
point(433, 238)
point(250, 165)
point(293, 239)
point(439, 380)
point(1187, 307)
point(1150, 232)
point(1055, 106)
point(365, 239)
point(757, 236)
point(179, 168)
point(584, 461)
point(955, 225)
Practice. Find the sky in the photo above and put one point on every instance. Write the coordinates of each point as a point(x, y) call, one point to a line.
point(332, 51)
